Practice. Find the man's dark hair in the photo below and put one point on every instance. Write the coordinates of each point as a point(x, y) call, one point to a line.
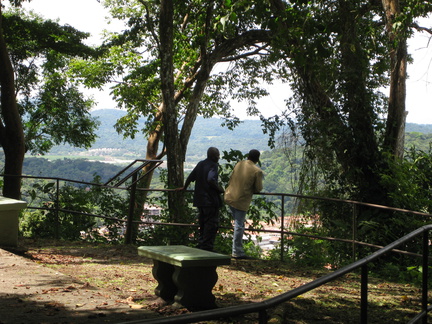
point(254, 155)
point(213, 154)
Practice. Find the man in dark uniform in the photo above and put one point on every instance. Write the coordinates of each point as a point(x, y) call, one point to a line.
point(207, 197)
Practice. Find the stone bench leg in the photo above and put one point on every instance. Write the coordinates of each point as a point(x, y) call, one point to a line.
point(195, 285)
point(163, 273)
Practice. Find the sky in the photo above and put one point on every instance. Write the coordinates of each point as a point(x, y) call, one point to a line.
point(89, 16)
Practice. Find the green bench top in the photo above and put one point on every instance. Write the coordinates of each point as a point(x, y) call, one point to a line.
point(184, 256)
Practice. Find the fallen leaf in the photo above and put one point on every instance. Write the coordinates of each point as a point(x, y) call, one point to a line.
point(50, 290)
point(86, 285)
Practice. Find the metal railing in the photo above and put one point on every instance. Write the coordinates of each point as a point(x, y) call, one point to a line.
point(135, 175)
point(281, 232)
point(264, 306)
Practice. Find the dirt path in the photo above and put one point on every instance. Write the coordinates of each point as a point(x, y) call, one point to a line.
point(31, 293)
point(82, 282)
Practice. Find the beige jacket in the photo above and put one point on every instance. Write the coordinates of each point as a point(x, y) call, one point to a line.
point(246, 179)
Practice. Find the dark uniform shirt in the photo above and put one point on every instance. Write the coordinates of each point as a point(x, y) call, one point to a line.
point(207, 191)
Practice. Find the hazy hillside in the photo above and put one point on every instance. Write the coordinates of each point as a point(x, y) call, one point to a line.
point(206, 133)
point(419, 128)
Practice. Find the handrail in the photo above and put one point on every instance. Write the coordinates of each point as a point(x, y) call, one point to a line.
point(281, 232)
point(134, 172)
point(263, 306)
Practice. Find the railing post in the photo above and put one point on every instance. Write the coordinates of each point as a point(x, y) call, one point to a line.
point(57, 207)
point(282, 228)
point(354, 232)
point(129, 223)
point(364, 294)
point(263, 317)
point(425, 275)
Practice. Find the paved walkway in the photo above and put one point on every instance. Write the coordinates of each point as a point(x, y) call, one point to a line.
point(32, 293)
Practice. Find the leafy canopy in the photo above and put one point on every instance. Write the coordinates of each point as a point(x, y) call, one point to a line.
point(51, 104)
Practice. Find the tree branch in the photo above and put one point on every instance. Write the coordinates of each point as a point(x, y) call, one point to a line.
point(244, 55)
point(420, 28)
point(149, 23)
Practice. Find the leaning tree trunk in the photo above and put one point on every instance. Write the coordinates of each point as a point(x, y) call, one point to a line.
point(11, 129)
point(140, 198)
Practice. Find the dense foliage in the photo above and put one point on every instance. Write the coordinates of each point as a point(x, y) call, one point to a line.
point(41, 103)
point(68, 212)
point(72, 169)
point(52, 107)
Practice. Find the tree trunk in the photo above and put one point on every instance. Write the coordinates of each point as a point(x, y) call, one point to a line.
point(176, 201)
point(395, 127)
point(193, 87)
point(152, 154)
point(11, 129)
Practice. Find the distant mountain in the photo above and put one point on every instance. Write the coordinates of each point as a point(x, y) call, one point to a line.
point(206, 133)
point(418, 128)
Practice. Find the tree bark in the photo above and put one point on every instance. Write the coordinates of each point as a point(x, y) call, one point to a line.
point(175, 160)
point(11, 129)
point(153, 141)
point(395, 127)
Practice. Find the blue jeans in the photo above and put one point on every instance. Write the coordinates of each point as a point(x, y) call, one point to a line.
point(239, 227)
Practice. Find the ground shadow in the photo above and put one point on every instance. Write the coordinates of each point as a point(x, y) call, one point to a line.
point(18, 308)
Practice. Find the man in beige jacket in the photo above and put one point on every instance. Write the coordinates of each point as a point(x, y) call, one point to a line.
point(246, 179)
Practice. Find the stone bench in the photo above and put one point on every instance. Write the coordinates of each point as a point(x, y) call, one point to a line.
point(185, 275)
point(9, 223)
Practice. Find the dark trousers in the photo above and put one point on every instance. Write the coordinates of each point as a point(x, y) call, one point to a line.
point(208, 219)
